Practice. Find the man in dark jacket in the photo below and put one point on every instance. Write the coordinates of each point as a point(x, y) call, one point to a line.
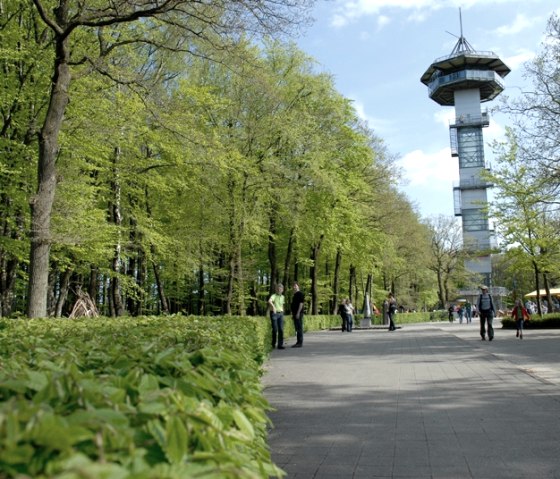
point(486, 312)
point(298, 300)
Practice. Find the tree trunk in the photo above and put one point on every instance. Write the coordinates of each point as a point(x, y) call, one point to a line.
point(240, 281)
point(548, 295)
point(336, 279)
point(93, 284)
point(117, 308)
point(441, 293)
point(288, 260)
point(538, 286)
point(63, 292)
point(161, 293)
point(201, 290)
point(229, 284)
point(351, 280)
point(8, 275)
point(42, 202)
point(141, 277)
point(313, 273)
point(274, 276)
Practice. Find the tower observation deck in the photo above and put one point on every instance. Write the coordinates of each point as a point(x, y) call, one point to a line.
point(465, 79)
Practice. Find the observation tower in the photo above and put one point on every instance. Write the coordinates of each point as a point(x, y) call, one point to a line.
point(465, 79)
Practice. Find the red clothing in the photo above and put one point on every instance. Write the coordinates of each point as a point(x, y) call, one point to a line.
point(519, 309)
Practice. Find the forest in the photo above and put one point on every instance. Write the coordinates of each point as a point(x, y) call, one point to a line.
point(171, 156)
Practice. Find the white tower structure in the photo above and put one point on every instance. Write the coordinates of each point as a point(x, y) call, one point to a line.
point(465, 79)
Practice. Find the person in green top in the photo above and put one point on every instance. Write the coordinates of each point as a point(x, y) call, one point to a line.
point(276, 303)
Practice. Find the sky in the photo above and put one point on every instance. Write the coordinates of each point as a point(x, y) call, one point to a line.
point(376, 52)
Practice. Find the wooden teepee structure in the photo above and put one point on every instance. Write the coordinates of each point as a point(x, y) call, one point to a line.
point(84, 306)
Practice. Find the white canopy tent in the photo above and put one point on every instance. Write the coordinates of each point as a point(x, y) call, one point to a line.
point(553, 292)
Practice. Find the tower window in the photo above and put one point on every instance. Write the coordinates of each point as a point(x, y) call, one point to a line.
point(474, 220)
point(471, 147)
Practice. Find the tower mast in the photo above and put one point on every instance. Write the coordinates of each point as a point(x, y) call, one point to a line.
point(465, 79)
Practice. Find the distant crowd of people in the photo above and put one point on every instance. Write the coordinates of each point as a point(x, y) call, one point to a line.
point(464, 310)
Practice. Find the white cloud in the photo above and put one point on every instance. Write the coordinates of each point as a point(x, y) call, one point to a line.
point(381, 126)
point(349, 10)
point(517, 60)
point(445, 116)
point(434, 170)
point(383, 20)
point(520, 23)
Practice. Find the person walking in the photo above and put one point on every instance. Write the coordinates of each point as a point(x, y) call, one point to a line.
point(276, 303)
point(391, 310)
point(468, 311)
point(450, 313)
point(298, 300)
point(486, 313)
point(520, 314)
point(349, 315)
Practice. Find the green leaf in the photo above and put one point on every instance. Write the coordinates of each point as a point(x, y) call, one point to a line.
point(37, 380)
point(17, 454)
point(16, 385)
point(157, 431)
point(148, 383)
point(243, 424)
point(56, 433)
point(176, 440)
point(95, 417)
point(79, 466)
point(153, 407)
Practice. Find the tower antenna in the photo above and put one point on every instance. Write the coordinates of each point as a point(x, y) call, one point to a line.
point(462, 44)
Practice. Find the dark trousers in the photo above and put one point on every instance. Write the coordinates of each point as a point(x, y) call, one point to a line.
point(344, 317)
point(486, 317)
point(277, 322)
point(391, 321)
point(298, 326)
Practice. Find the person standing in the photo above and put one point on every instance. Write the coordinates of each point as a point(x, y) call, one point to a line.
point(343, 315)
point(298, 300)
point(486, 313)
point(450, 313)
point(349, 315)
point(391, 310)
point(468, 311)
point(520, 314)
point(276, 303)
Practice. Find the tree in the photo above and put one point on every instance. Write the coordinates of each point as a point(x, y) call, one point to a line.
point(68, 21)
point(447, 253)
point(25, 54)
point(523, 210)
point(536, 115)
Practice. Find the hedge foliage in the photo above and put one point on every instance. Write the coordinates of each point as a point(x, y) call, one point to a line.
point(536, 322)
point(147, 397)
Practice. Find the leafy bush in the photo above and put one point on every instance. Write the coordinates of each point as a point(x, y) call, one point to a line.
point(536, 322)
point(133, 398)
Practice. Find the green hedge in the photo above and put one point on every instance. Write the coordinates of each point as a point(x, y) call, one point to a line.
point(547, 321)
point(134, 398)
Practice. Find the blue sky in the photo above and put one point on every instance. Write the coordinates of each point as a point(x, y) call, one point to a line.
point(377, 50)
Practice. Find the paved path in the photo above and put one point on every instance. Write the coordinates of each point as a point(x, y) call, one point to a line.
point(425, 401)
